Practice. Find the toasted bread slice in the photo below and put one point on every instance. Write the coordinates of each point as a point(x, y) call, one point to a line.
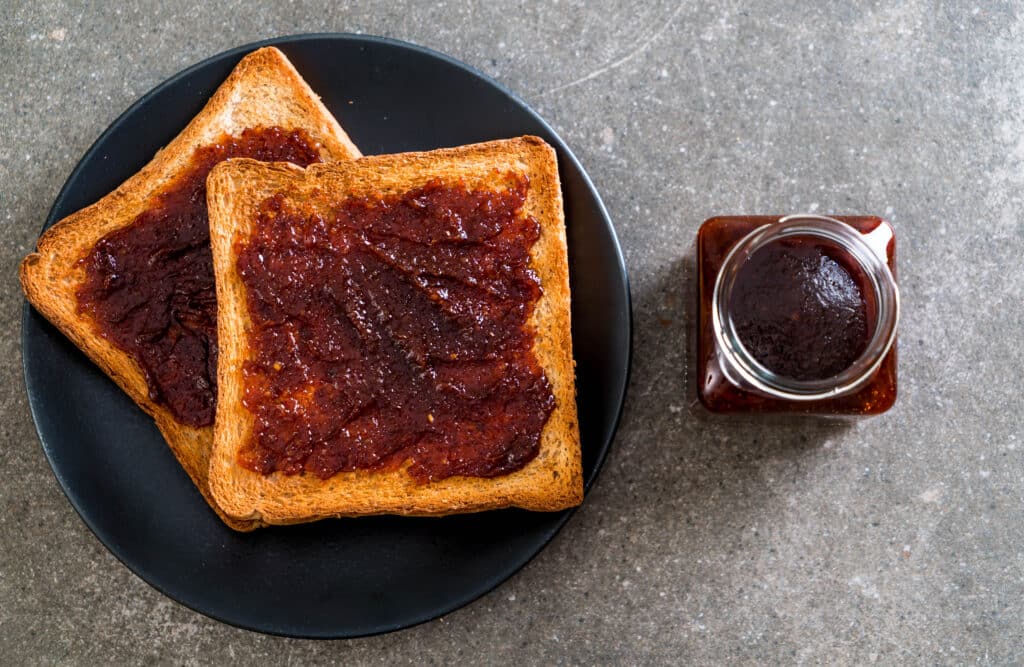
point(263, 90)
point(551, 481)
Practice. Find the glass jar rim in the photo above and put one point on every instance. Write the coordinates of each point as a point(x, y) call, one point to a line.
point(881, 281)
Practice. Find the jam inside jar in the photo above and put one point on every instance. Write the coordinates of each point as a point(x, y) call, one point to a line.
point(797, 315)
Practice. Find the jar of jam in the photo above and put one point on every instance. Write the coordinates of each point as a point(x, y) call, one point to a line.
point(797, 315)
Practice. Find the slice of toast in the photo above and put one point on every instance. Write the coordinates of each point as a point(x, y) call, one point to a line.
point(265, 90)
point(551, 481)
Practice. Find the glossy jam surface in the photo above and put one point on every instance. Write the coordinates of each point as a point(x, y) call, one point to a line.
point(149, 286)
point(767, 327)
point(395, 329)
point(799, 308)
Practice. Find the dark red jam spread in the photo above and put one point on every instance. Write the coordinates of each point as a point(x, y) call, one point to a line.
point(395, 329)
point(149, 286)
point(799, 308)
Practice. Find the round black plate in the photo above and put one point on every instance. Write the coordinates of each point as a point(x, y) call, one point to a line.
point(337, 578)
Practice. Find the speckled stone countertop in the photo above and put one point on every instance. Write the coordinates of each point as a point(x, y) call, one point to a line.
point(898, 539)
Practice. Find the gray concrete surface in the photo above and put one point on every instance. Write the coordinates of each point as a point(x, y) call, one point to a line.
point(897, 540)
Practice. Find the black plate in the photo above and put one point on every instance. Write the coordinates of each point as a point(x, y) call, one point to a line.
point(338, 578)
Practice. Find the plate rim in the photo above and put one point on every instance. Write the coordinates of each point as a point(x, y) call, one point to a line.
point(490, 584)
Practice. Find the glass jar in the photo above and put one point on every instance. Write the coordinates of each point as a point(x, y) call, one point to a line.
point(854, 251)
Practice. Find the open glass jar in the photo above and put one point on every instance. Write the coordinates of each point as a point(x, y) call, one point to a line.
point(797, 315)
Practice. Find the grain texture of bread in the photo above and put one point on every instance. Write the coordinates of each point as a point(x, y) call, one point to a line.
point(264, 89)
point(551, 481)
